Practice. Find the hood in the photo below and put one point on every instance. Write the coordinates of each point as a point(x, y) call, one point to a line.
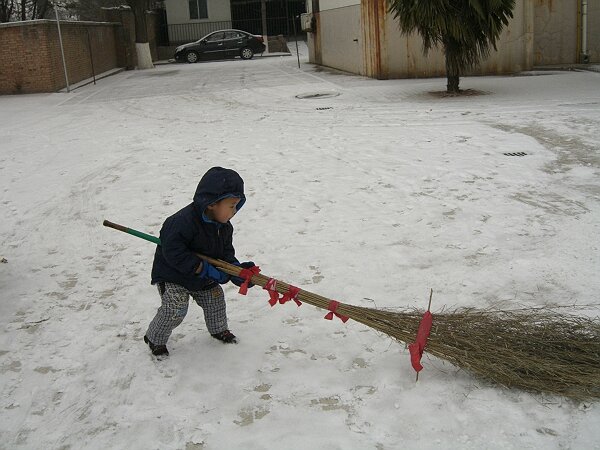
point(216, 184)
point(184, 46)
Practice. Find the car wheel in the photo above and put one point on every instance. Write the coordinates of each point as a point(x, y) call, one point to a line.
point(191, 57)
point(246, 53)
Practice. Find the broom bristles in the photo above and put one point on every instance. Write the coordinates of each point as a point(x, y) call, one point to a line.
point(535, 349)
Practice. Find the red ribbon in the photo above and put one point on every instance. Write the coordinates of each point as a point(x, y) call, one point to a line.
point(417, 347)
point(247, 275)
point(332, 307)
point(291, 294)
point(271, 288)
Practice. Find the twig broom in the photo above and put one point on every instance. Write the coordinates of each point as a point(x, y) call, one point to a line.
point(540, 350)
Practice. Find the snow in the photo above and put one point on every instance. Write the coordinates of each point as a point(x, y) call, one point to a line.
point(386, 193)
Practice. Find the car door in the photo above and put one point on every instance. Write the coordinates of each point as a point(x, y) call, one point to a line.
point(234, 42)
point(213, 45)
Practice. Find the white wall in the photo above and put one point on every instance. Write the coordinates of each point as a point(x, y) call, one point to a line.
point(178, 11)
point(341, 39)
point(557, 37)
point(555, 32)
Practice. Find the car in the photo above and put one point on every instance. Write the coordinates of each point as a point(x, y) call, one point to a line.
point(221, 44)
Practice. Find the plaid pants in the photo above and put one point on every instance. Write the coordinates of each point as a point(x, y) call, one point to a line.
point(174, 307)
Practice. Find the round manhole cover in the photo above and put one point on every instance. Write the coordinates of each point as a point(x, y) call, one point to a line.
point(310, 95)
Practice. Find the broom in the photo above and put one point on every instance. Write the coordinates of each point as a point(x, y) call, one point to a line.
point(540, 350)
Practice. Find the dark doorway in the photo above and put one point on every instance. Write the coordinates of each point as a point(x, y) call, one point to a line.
point(246, 15)
point(162, 32)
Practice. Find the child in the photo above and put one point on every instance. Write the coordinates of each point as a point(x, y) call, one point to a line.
point(201, 227)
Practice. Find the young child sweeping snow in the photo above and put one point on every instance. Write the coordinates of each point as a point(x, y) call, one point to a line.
point(201, 227)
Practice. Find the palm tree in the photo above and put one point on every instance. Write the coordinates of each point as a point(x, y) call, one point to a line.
point(464, 28)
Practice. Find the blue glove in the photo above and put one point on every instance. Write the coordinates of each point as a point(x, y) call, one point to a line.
point(210, 271)
point(245, 265)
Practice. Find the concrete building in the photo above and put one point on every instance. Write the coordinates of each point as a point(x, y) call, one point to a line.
point(361, 37)
point(196, 18)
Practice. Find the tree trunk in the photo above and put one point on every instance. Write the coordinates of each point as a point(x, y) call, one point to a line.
point(142, 47)
point(41, 8)
point(452, 67)
point(138, 8)
point(452, 86)
point(144, 57)
point(263, 14)
point(6, 9)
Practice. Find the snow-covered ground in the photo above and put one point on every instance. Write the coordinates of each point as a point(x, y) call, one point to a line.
point(371, 195)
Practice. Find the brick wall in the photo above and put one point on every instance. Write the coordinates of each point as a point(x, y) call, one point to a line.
point(30, 56)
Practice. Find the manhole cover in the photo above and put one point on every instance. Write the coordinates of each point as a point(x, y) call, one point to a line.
point(515, 154)
point(310, 95)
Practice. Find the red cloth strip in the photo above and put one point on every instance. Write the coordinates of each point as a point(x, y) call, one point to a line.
point(332, 307)
point(271, 288)
point(417, 347)
point(247, 275)
point(291, 294)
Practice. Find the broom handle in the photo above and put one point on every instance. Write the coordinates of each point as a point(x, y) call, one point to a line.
point(116, 226)
point(258, 279)
point(231, 269)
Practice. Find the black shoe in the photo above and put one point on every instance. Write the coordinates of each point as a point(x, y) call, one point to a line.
point(226, 337)
point(157, 350)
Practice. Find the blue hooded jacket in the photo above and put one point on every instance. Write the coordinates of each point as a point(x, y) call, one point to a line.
point(190, 231)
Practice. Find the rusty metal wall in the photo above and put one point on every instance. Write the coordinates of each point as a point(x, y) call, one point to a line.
point(313, 38)
point(373, 16)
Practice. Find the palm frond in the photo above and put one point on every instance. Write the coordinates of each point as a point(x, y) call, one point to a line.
point(466, 29)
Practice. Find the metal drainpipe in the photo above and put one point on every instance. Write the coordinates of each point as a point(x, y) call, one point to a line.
point(584, 55)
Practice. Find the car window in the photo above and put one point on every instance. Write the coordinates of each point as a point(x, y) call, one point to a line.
point(218, 36)
point(232, 35)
